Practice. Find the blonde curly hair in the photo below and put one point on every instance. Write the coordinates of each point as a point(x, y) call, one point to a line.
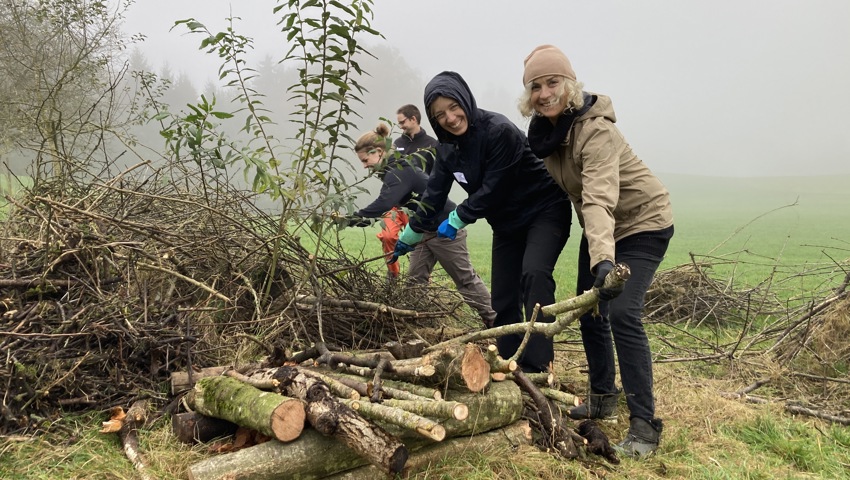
point(574, 91)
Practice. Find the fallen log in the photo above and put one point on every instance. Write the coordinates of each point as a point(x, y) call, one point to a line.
point(408, 349)
point(182, 381)
point(402, 418)
point(506, 438)
point(334, 419)
point(459, 366)
point(431, 408)
point(269, 413)
point(405, 391)
point(501, 405)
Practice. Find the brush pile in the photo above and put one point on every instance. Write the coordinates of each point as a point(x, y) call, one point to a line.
point(107, 289)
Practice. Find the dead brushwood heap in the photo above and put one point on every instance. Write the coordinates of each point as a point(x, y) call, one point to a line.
point(105, 291)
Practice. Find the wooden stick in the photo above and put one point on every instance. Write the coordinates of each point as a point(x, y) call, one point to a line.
point(576, 307)
point(136, 417)
point(402, 418)
point(431, 408)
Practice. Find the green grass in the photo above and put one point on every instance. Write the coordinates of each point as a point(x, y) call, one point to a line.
point(744, 226)
point(785, 442)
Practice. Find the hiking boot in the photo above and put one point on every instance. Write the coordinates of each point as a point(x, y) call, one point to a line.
point(597, 406)
point(642, 440)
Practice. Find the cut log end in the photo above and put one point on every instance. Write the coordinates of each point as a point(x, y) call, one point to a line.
point(460, 412)
point(436, 433)
point(288, 420)
point(474, 369)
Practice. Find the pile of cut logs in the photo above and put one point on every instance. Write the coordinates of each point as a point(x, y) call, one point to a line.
point(381, 410)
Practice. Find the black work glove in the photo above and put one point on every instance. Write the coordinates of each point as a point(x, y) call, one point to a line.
point(602, 270)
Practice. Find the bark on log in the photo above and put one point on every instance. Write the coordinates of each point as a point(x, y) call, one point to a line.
point(332, 418)
point(269, 413)
point(576, 307)
point(402, 418)
point(563, 397)
point(192, 427)
point(181, 381)
point(408, 349)
point(431, 408)
point(500, 406)
point(506, 438)
point(459, 366)
point(497, 363)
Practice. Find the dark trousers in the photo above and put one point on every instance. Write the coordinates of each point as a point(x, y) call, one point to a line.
point(642, 252)
point(522, 266)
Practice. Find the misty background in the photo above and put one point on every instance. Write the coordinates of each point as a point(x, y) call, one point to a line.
point(722, 88)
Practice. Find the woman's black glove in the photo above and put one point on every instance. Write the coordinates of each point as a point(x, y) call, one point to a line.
point(602, 270)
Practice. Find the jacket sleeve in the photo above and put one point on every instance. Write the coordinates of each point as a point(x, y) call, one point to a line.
point(393, 191)
point(600, 148)
point(501, 163)
point(434, 199)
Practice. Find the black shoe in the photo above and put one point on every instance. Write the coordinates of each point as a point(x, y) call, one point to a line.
point(642, 440)
point(597, 406)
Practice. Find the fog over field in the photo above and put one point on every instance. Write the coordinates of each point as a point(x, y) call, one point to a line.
point(725, 88)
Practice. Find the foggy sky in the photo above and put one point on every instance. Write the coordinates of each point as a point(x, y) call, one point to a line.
point(727, 88)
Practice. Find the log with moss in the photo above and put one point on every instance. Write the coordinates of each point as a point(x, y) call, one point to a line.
point(334, 419)
point(269, 413)
point(499, 406)
point(508, 438)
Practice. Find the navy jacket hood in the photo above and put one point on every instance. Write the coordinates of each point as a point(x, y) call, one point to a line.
point(450, 85)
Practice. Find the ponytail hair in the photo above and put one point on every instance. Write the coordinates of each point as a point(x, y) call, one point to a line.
point(377, 138)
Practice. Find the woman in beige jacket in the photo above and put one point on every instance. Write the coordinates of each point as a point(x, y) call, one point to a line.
point(625, 214)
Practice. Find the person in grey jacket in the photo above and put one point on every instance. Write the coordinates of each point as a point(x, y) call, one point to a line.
point(488, 156)
point(402, 188)
point(626, 217)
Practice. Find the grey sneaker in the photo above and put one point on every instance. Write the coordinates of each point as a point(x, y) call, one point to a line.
point(642, 440)
point(597, 406)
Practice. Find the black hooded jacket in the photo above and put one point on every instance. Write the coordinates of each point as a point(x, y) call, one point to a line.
point(507, 184)
point(403, 185)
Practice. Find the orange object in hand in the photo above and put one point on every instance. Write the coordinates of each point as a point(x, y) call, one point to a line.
point(394, 222)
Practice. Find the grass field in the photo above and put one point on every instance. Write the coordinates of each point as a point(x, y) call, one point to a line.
point(751, 225)
point(706, 436)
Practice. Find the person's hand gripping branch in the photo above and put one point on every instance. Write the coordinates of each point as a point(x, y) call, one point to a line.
point(450, 226)
point(602, 270)
point(406, 243)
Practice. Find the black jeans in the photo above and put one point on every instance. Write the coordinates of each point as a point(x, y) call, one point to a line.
point(522, 266)
point(642, 252)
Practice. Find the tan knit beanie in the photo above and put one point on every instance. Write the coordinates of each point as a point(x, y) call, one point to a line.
point(547, 60)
